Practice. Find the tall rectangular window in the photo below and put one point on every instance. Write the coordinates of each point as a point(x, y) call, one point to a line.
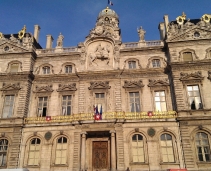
point(160, 101)
point(100, 101)
point(34, 152)
point(42, 106)
point(61, 151)
point(194, 97)
point(137, 148)
point(134, 102)
point(8, 106)
point(3, 152)
point(66, 105)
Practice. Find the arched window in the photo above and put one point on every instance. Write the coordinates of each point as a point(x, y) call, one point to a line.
point(138, 148)
point(61, 151)
point(34, 152)
point(203, 147)
point(3, 152)
point(46, 70)
point(167, 148)
point(187, 56)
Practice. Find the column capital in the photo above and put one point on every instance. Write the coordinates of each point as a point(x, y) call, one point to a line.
point(83, 133)
point(112, 131)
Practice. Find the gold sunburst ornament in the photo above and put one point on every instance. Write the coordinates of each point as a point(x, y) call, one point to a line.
point(22, 32)
point(180, 19)
point(206, 18)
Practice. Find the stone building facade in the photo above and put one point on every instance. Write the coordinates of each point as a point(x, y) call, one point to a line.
point(107, 105)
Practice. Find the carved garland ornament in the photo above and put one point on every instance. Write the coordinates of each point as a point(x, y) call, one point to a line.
point(191, 77)
point(67, 87)
point(10, 87)
point(159, 82)
point(43, 89)
point(99, 85)
point(133, 84)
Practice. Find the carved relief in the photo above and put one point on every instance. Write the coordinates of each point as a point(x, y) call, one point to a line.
point(133, 84)
point(188, 31)
point(192, 77)
point(67, 87)
point(10, 87)
point(99, 85)
point(100, 53)
point(159, 82)
point(43, 89)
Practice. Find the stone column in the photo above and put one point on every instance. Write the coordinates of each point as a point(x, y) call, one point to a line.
point(113, 151)
point(83, 150)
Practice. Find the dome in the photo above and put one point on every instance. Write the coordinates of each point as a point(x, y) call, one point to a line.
point(108, 12)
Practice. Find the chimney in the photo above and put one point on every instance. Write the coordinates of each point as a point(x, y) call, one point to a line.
point(166, 21)
point(36, 32)
point(161, 27)
point(49, 42)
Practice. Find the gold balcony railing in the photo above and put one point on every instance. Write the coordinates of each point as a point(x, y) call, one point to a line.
point(105, 116)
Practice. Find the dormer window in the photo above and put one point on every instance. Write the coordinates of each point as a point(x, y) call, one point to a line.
point(68, 69)
point(187, 56)
point(131, 64)
point(14, 67)
point(46, 70)
point(156, 63)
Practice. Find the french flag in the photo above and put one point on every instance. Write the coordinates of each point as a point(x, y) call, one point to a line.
point(110, 3)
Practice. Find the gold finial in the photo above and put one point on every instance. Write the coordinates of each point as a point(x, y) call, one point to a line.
point(180, 19)
point(184, 15)
point(206, 18)
point(22, 32)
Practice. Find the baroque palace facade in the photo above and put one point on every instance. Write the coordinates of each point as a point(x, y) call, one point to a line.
point(155, 98)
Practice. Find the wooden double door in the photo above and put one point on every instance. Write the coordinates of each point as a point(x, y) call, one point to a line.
point(100, 155)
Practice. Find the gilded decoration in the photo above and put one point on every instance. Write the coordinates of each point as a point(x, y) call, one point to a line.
point(67, 87)
point(22, 32)
point(99, 85)
point(43, 89)
point(133, 84)
point(159, 82)
point(106, 116)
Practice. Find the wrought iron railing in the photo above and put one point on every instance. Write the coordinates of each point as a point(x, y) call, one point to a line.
point(105, 116)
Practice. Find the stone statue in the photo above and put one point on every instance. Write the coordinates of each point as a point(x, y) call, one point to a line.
point(141, 33)
point(60, 40)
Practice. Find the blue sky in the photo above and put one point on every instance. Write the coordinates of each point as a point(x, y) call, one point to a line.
point(74, 18)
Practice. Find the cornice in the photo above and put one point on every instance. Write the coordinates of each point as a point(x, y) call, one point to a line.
point(19, 76)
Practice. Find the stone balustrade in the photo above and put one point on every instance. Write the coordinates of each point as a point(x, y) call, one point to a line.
point(142, 44)
point(57, 50)
point(105, 116)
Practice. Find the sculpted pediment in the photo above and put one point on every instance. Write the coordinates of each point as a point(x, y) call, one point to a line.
point(159, 82)
point(9, 46)
point(10, 87)
point(195, 33)
point(67, 87)
point(133, 84)
point(99, 85)
point(191, 76)
point(43, 89)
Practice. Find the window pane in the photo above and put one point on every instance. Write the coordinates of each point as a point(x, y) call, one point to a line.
point(187, 56)
point(8, 106)
point(134, 102)
point(14, 68)
point(34, 152)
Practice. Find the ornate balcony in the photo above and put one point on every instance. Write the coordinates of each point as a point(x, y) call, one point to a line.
point(105, 116)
